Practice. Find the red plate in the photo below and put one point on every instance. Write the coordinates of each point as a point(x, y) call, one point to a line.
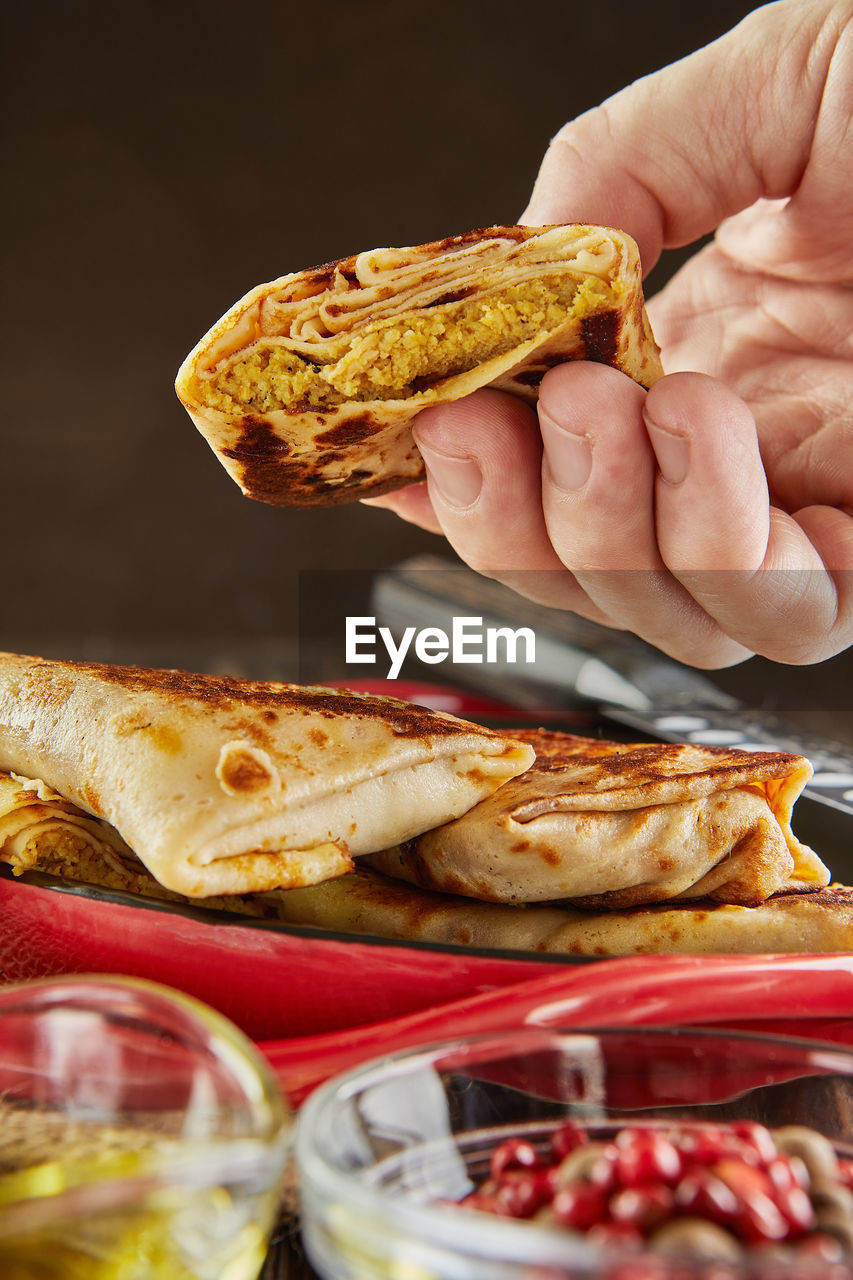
point(270, 979)
point(323, 1002)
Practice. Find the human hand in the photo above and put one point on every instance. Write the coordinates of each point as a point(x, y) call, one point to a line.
point(713, 515)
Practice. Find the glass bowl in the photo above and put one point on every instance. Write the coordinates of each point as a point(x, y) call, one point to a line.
point(380, 1148)
point(141, 1134)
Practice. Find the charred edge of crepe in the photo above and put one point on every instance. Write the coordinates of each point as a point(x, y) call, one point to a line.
point(554, 750)
point(269, 473)
point(404, 719)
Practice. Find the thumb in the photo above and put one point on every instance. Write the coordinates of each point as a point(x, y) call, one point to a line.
point(671, 156)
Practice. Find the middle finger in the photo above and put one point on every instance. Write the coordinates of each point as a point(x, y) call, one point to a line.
point(598, 486)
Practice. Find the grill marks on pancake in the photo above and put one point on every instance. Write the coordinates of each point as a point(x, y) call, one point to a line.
point(263, 458)
point(600, 335)
point(244, 773)
point(270, 472)
point(650, 762)
point(55, 681)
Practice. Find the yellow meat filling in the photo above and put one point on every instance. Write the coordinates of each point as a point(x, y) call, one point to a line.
point(395, 358)
point(70, 856)
point(66, 852)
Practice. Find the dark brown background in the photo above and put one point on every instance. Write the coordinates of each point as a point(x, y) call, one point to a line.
point(160, 158)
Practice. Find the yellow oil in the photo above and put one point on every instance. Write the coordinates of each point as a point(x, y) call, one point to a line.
point(58, 1222)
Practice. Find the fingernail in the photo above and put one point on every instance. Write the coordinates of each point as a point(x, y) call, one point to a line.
point(458, 480)
point(569, 455)
point(672, 451)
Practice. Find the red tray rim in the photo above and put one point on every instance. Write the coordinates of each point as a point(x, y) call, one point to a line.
point(231, 919)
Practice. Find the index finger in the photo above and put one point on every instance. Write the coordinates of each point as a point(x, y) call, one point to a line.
point(671, 156)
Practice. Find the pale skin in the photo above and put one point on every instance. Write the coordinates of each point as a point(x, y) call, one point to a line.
point(713, 515)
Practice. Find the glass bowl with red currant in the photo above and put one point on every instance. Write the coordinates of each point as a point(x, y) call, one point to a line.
point(637, 1154)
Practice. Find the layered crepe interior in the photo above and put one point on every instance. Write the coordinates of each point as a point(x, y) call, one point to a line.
point(40, 828)
point(389, 323)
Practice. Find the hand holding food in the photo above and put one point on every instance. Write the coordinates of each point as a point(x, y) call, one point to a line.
point(713, 516)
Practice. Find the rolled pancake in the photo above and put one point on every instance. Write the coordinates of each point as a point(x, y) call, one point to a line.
point(608, 824)
point(366, 902)
point(222, 785)
point(306, 389)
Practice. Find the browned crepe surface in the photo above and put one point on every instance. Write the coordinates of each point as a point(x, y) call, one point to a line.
point(608, 825)
point(222, 785)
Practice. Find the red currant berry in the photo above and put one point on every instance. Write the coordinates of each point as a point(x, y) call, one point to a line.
point(643, 1207)
point(760, 1219)
point(521, 1197)
point(514, 1153)
point(758, 1137)
point(703, 1195)
point(565, 1139)
point(796, 1208)
point(786, 1172)
point(580, 1205)
point(645, 1155)
point(744, 1179)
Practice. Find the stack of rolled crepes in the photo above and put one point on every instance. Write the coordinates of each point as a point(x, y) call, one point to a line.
point(364, 814)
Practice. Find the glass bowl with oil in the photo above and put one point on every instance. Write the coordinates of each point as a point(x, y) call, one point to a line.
point(141, 1134)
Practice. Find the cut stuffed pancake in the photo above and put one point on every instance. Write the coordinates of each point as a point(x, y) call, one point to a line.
point(222, 785)
point(608, 825)
point(306, 389)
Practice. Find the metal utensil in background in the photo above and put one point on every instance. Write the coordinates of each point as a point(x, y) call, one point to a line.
point(621, 679)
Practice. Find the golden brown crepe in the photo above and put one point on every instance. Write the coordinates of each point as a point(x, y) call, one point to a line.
point(306, 389)
point(609, 824)
point(222, 785)
point(367, 902)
